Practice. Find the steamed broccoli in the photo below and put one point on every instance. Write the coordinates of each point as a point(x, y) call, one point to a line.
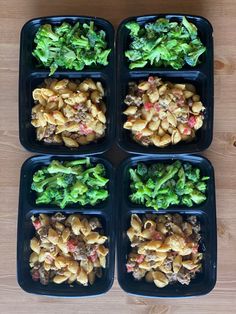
point(162, 185)
point(64, 183)
point(70, 47)
point(163, 43)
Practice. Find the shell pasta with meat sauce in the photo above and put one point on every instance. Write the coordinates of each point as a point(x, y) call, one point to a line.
point(162, 113)
point(69, 112)
point(164, 248)
point(67, 249)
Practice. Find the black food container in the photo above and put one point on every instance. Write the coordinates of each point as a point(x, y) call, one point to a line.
point(31, 76)
point(205, 213)
point(104, 212)
point(201, 76)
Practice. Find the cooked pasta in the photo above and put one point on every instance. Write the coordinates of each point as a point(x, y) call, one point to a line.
point(67, 249)
point(164, 248)
point(69, 112)
point(162, 113)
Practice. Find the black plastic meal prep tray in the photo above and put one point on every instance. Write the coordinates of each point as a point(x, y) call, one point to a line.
point(201, 76)
point(31, 76)
point(205, 213)
point(27, 207)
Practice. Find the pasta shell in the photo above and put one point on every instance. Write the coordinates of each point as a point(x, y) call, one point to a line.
point(171, 119)
point(177, 263)
point(130, 110)
point(175, 136)
point(156, 140)
point(59, 279)
point(69, 142)
point(196, 98)
point(165, 140)
point(160, 279)
point(197, 107)
point(144, 86)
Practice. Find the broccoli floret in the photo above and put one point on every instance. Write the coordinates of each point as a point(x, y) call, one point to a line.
point(65, 179)
point(191, 28)
point(57, 167)
point(137, 64)
point(64, 28)
point(186, 200)
point(46, 31)
point(134, 28)
point(201, 186)
point(197, 197)
point(39, 176)
point(137, 198)
point(192, 57)
point(134, 176)
point(79, 162)
point(97, 195)
point(192, 174)
point(78, 188)
point(150, 184)
point(39, 186)
point(49, 195)
point(142, 169)
point(171, 171)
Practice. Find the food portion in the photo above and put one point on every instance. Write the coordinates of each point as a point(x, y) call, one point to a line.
point(165, 249)
point(164, 44)
point(71, 47)
point(71, 182)
point(70, 113)
point(67, 249)
point(162, 113)
point(160, 185)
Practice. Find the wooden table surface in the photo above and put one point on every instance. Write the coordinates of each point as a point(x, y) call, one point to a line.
point(222, 153)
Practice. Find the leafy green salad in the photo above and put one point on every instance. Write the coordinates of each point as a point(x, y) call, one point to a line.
point(70, 47)
point(164, 43)
point(161, 185)
point(68, 182)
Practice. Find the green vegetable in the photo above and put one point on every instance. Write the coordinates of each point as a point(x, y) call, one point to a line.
point(69, 182)
point(163, 44)
point(70, 47)
point(160, 185)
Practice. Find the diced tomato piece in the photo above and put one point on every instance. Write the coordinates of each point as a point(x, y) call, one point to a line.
point(139, 135)
point(52, 98)
point(93, 257)
point(129, 268)
point(187, 131)
point(71, 245)
point(195, 249)
point(85, 130)
point(151, 79)
point(192, 121)
point(35, 275)
point(157, 235)
point(157, 106)
point(140, 258)
point(37, 224)
point(148, 106)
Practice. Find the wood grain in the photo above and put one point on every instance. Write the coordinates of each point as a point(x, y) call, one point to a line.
point(222, 153)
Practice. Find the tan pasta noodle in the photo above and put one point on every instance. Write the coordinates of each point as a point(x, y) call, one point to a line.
point(162, 113)
point(69, 112)
point(164, 248)
point(66, 249)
